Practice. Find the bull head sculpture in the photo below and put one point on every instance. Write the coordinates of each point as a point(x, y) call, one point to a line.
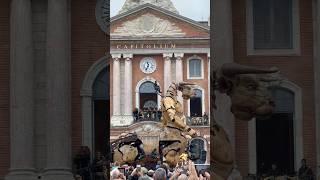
point(249, 96)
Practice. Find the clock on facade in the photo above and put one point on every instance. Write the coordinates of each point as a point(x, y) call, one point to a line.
point(148, 65)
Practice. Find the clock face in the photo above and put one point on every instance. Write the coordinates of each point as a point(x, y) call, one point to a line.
point(148, 65)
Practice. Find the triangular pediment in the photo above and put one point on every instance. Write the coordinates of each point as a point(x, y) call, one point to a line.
point(151, 21)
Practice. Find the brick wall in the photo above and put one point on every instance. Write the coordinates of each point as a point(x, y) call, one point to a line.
point(4, 86)
point(89, 44)
point(298, 69)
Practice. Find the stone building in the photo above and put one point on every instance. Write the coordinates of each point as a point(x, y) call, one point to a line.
point(151, 43)
point(54, 71)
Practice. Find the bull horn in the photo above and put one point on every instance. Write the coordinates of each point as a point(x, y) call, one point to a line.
point(231, 69)
point(186, 84)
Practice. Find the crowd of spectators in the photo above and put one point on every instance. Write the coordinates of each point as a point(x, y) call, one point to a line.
point(147, 114)
point(182, 171)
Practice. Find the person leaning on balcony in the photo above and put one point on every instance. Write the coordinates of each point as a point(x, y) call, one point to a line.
point(205, 118)
point(135, 114)
point(305, 172)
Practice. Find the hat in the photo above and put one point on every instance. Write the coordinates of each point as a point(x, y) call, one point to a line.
point(150, 173)
point(144, 170)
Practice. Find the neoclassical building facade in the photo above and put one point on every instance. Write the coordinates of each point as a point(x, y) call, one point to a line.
point(151, 43)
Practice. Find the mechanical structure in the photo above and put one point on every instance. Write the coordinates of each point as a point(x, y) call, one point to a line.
point(173, 133)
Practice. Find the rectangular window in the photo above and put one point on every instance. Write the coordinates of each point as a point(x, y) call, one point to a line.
point(272, 24)
point(273, 27)
point(195, 68)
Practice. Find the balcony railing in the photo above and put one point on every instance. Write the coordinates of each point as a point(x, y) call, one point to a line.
point(198, 121)
point(155, 116)
point(147, 116)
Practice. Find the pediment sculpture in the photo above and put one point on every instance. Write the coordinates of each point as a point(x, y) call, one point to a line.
point(148, 25)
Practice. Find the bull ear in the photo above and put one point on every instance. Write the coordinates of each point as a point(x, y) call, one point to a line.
point(231, 69)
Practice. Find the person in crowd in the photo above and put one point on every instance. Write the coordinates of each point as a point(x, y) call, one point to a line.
point(150, 173)
point(160, 174)
point(165, 167)
point(158, 164)
point(136, 173)
point(98, 166)
point(77, 177)
point(117, 175)
point(144, 171)
point(82, 163)
point(235, 174)
point(189, 172)
point(305, 172)
point(183, 177)
point(145, 178)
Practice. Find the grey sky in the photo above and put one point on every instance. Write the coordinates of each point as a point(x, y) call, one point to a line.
point(198, 10)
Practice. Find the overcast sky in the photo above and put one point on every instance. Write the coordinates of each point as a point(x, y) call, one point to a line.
point(198, 10)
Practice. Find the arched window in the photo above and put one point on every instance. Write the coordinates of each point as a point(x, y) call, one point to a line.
point(198, 150)
point(195, 68)
point(148, 95)
point(280, 128)
point(196, 104)
point(101, 85)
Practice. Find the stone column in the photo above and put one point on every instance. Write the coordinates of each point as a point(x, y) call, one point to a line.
point(128, 117)
point(167, 71)
point(21, 93)
point(316, 66)
point(58, 164)
point(222, 45)
point(116, 96)
point(209, 105)
point(87, 123)
point(179, 73)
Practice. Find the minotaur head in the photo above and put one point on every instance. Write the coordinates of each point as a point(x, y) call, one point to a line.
point(249, 97)
point(187, 90)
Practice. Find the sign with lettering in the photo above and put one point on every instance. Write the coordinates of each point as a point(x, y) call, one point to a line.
point(146, 46)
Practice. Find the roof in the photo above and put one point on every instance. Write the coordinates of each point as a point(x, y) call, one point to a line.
point(166, 4)
point(164, 11)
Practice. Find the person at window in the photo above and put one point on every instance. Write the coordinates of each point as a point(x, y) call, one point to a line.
point(274, 172)
point(135, 114)
point(140, 114)
point(153, 113)
point(205, 118)
point(145, 114)
point(305, 172)
point(159, 114)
